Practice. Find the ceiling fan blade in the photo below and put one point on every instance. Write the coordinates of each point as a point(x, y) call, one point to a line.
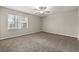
point(47, 11)
point(36, 9)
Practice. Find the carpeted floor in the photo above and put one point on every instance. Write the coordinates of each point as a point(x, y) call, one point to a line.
point(40, 42)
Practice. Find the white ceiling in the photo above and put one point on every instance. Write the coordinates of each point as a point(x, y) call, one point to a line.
point(52, 9)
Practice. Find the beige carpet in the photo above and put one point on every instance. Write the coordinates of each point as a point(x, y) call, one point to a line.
point(40, 42)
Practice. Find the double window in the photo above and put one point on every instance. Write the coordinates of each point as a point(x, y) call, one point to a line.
point(17, 22)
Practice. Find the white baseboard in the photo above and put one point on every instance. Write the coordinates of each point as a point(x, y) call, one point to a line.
point(62, 34)
point(1, 38)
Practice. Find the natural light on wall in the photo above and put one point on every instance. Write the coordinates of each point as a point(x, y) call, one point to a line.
point(17, 22)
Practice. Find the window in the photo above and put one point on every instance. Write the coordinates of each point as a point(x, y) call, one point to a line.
point(17, 22)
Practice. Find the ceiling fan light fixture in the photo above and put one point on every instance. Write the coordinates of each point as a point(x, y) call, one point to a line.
point(41, 12)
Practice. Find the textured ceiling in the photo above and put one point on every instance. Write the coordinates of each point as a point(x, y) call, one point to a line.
point(52, 9)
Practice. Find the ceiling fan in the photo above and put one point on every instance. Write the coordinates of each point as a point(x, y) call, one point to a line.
point(41, 10)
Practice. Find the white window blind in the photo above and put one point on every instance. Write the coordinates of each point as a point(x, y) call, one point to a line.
point(17, 22)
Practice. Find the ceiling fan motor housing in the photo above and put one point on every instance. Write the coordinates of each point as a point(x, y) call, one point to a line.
point(42, 8)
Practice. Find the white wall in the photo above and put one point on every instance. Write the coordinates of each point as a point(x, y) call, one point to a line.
point(64, 23)
point(33, 25)
point(78, 23)
point(0, 24)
